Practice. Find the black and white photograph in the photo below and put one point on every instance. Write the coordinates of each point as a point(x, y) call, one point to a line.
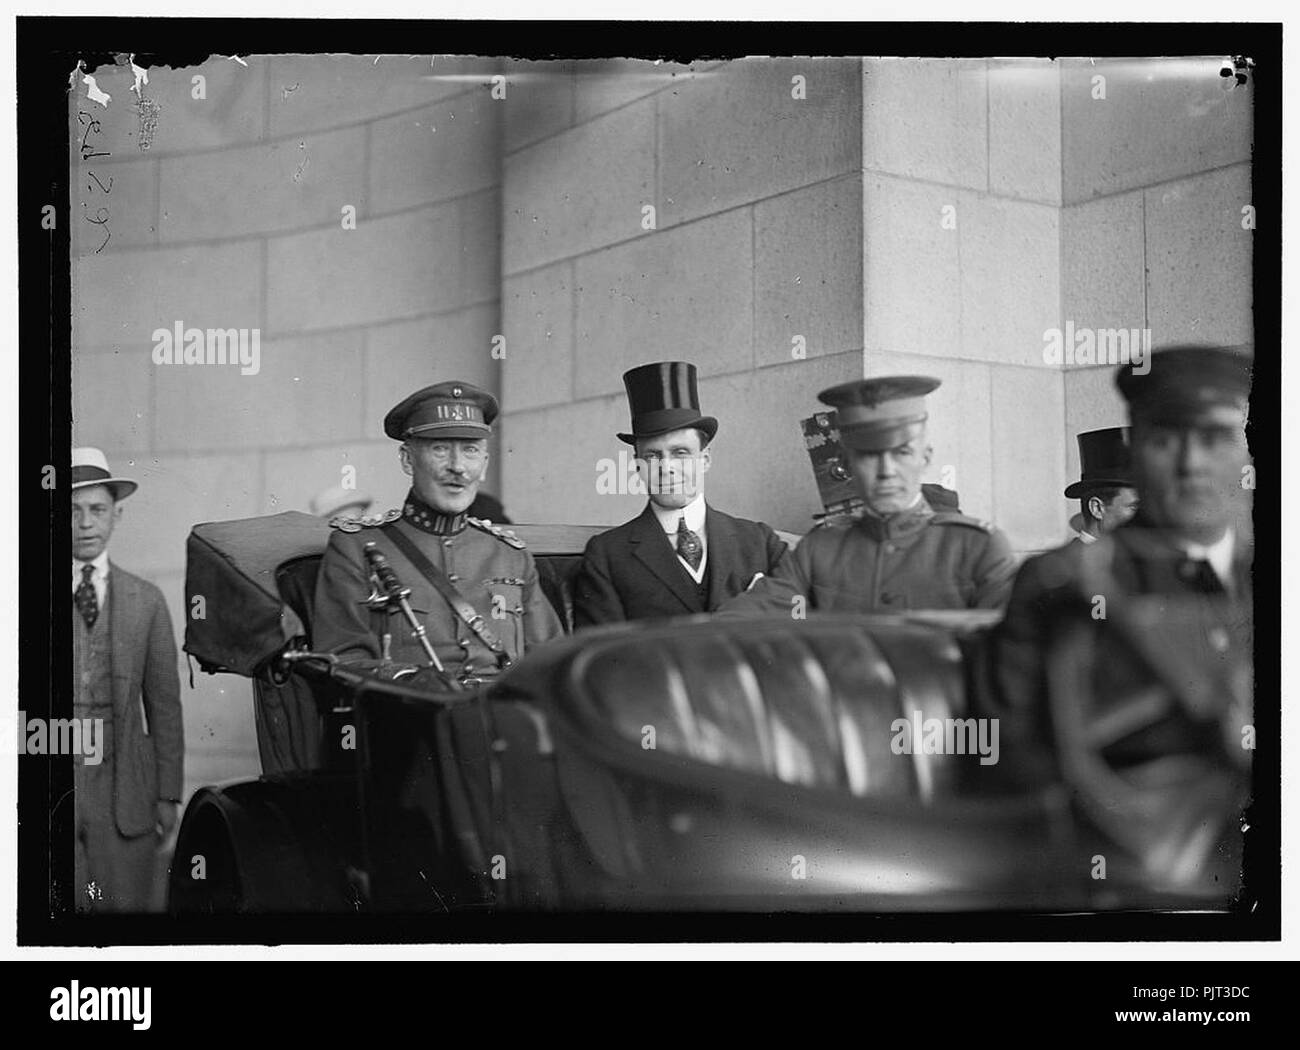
point(643, 487)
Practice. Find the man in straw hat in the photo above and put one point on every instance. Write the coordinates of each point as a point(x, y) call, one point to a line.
point(339, 499)
point(125, 680)
point(902, 554)
point(680, 555)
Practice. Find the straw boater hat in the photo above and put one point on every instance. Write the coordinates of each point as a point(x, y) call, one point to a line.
point(90, 467)
point(334, 499)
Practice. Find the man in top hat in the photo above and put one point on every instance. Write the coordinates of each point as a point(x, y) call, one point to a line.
point(1104, 490)
point(1125, 665)
point(125, 682)
point(902, 553)
point(680, 555)
point(473, 584)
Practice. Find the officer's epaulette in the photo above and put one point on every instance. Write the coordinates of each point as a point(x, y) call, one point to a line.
point(955, 517)
point(357, 522)
point(504, 535)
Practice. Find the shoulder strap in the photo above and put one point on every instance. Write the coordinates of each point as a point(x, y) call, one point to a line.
point(956, 517)
point(458, 602)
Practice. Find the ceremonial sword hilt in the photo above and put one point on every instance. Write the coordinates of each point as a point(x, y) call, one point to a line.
point(390, 591)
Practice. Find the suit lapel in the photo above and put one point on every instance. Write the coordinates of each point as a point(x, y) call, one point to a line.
point(1242, 560)
point(724, 556)
point(649, 546)
point(121, 604)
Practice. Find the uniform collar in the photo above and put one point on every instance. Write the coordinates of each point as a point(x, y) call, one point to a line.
point(694, 511)
point(903, 523)
point(427, 519)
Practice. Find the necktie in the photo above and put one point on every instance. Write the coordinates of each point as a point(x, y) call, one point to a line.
point(86, 598)
point(1199, 574)
point(689, 547)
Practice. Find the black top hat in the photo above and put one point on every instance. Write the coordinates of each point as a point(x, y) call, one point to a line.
point(663, 396)
point(1103, 461)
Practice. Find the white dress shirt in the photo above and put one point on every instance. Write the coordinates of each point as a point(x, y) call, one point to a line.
point(98, 579)
point(695, 514)
point(1218, 554)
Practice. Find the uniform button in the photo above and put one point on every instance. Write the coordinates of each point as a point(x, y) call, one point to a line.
point(453, 577)
point(1219, 639)
point(463, 643)
point(85, 677)
point(446, 543)
point(890, 548)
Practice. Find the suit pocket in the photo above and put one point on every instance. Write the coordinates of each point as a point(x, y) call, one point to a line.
point(137, 783)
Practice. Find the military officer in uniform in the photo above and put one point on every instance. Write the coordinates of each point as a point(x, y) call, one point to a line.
point(902, 553)
point(473, 584)
point(1104, 490)
point(1125, 664)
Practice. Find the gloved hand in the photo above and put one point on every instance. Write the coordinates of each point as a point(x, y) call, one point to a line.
point(412, 676)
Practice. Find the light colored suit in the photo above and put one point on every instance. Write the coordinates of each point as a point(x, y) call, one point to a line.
point(143, 763)
point(148, 731)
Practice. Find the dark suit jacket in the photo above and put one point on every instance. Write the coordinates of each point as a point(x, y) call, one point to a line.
point(632, 573)
point(148, 765)
point(1199, 637)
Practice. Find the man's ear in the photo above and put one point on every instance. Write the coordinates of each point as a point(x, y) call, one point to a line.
point(1096, 507)
point(706, 458)
point(929, 454)
point(404, 457)
point(117, 512)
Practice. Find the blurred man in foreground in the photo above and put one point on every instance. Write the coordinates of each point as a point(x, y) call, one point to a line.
point(1124, 666)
